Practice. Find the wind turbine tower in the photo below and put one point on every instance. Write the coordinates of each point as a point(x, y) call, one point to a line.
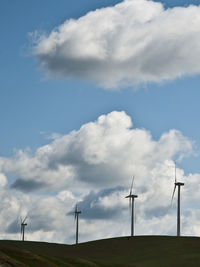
point(23, 225)
point(178, 184)
point(76, 213)
point(132, 197)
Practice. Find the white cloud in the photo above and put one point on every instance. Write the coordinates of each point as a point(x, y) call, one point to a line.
point(135, 41)
point(12, 207)
point(3, 180)
point(102, 153)
point(93, 167)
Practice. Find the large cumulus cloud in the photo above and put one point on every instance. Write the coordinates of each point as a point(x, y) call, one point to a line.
point(93, 166)
point(135, 41)
point(102, 153)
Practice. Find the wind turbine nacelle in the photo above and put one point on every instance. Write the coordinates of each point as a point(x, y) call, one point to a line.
point(132, 196)
point(78, 212)
point(179, 184)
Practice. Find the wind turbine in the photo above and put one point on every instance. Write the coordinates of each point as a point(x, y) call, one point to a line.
point(178, 184)
point(76, 215)
point(23, 224)
point(131, 205)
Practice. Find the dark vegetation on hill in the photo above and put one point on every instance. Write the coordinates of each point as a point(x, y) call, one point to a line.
point(139, 251)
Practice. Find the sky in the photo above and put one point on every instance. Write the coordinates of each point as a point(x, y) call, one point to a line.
point(93, 92)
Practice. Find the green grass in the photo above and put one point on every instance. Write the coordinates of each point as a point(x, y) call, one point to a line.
point(139, 251)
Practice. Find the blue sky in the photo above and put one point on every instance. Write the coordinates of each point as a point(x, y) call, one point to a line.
point(34, 106)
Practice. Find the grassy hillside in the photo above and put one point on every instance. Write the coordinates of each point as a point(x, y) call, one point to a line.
point(140, 251)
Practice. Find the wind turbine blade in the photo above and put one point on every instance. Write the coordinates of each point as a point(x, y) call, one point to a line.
point(21, 224)
point(75, 213)
point(173, 194)
point(130, 206)
point(175, 171)
point(24, 219)
point(132, 185)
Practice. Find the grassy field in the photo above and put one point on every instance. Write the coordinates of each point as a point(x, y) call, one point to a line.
point(139, 251)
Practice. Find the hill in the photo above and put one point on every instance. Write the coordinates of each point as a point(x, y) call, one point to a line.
point(139, 251)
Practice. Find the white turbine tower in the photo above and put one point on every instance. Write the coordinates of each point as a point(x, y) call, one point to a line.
point(76, 216)
point(178, 184)
point(23, 225)
point(132, 197)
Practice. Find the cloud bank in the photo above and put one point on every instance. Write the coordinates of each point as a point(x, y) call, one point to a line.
point(93, 166)
point(133, 42)
point(102, 153)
